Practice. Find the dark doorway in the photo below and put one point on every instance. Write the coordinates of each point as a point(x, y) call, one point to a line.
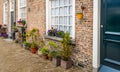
point(110, 33)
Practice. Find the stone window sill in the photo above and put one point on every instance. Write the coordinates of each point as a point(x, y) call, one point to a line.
point(57, 39)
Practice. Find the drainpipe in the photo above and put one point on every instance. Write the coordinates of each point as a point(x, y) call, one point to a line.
point(15, 12)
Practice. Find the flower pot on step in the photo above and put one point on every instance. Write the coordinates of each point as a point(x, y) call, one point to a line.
point(44, 56)
point(66, 64)
point(56, 61)
point(33, 50)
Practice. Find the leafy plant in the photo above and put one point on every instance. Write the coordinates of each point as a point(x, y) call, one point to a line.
point(60, 33)
point(33, 34)
point(66, 47)
point(44, 50)
point(55, 53)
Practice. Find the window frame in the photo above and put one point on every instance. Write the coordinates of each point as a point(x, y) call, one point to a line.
point(5, 20)
point(48, 17)
point(20, 7)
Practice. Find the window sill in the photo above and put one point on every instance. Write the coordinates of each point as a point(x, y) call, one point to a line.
point(57, 39)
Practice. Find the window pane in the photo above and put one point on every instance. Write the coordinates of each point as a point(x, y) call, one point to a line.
point(57, 11)
point(61, 2)
point(57, 3)
point(70, 30)
point(66, 2)
point(53, 20)
point(70, 10)
point(70, 1)
point(71, 20)
point(53, 3)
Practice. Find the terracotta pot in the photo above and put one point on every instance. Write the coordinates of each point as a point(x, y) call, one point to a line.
point(66, 64)
point(33, 50)
point(56, 61)
point(50, 58)
point(44, 56)
point(79, 16)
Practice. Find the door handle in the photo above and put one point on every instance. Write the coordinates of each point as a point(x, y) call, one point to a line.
point(101, 26)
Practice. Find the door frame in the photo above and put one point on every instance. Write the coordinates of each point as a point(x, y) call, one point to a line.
point(11, 10)
point(96, 34)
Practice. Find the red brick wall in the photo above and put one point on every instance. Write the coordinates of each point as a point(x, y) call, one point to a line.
point(84, 34)
point(36, 15)
point(36, 18)
point(1, 11)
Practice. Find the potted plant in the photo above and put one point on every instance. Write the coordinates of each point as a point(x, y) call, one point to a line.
point(51, 46)
point(60, 34)
point(26, 45)
point(33, 48)
point(21, 22)
point(66, 52)
point(56, 57)
point(33, 35)
point(79, 15)
point(15, 28)
point(52, 31)
point(45, 52)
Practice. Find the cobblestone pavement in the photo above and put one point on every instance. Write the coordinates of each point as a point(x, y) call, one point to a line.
point(14, 58)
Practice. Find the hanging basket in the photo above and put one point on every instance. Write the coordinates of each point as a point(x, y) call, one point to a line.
point(79, 16)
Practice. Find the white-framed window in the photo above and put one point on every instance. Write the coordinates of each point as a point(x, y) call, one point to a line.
point(5, 13)
point(60, 14)
point(12, 5)
point(22, 12)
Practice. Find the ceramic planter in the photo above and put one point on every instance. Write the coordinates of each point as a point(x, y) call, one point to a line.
point(44, 56)
point(66, 64)
point(79, 16)
point(33, 50)
point(39, 53)
point(50, 58)
point(56, 61)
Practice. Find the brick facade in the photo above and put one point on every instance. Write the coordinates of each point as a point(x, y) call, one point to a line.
point(36, 18)
point(1, 11)
point(36, 15)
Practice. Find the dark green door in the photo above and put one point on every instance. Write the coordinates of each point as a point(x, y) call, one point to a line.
point(110, 33)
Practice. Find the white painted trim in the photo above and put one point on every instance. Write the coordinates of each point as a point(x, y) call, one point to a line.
point(73, 36)
point(96, 33)
point(18, 9)
point(48, 17)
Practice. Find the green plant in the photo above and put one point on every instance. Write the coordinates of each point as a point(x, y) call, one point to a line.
point(15, 28)
point(33, 45)
point(60, 34)
point(55, 53)
point(27, 44)
point(24, 22)
point(52, 45)
point(44, 50)
point(79, 13)
point(66, 47)
point(33, 35)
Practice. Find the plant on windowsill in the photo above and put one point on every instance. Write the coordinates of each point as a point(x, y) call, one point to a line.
point(52, 32)
point(21, 22)
point(60, 34)
point(66, 52)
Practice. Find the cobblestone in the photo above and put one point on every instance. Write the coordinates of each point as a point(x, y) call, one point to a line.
point(14, 58)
